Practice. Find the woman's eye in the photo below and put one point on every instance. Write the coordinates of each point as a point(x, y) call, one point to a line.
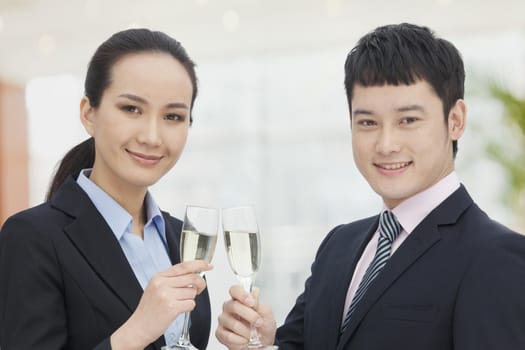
point(131, 109)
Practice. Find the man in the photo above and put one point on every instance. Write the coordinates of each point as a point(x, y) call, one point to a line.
point(432, 271)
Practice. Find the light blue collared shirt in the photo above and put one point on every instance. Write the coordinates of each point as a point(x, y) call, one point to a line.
point(147, 256)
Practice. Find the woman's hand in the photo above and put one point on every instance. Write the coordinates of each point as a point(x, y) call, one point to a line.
point(168, 294)
point(237, 315)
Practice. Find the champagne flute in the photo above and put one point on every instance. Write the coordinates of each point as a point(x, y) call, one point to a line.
point(197, 242)
point(241, 239)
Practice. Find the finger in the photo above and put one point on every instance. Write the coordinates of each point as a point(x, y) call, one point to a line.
point(246, 313)
point(234, 325)
point(183, 305)
point(187, 293)
point(198, 283)
point(265, 311)
point(230, 339)
point(159, 282)
point(238, 293)
point(194, 266)
point(192, 280)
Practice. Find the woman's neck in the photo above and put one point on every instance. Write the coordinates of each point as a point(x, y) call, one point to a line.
point(133, 203)
point(128, 197)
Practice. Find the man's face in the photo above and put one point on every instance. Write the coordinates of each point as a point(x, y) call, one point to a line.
point(400, 140)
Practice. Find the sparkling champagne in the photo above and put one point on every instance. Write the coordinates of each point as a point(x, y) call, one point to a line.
point(243, 252)
point(197, 246)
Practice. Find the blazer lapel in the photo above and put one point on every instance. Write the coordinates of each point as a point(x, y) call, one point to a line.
point(94, 239)
point(420, 241)
point(173, 229)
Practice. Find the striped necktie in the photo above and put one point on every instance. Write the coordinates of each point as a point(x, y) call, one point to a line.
point(389, 229)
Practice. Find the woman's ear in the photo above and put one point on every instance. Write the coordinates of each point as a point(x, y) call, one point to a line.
point(457, 119)
point(87, 115)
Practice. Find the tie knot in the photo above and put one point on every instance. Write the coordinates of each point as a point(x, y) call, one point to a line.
point(389, 227)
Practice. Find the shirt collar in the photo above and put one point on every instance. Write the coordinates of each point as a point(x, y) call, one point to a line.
point(153, 214)
point(412, 211)
point(118, 219)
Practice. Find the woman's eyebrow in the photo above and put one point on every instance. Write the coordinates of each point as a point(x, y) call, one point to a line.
point(134, 98)
point(143, 101)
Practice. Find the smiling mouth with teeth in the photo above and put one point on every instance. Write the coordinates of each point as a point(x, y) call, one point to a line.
point(393, 166)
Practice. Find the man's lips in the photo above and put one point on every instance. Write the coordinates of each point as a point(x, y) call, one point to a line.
point(392, 166)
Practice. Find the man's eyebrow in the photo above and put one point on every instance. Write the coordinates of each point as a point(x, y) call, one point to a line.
point(177, 105)
point(360, 111)
point(410, 108)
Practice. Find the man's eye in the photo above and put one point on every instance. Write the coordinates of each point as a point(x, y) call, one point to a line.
point(175, 117)
point(408, 120)
point(366, 122)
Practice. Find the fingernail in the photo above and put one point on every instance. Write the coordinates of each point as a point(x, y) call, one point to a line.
point(259, 322)
point(250, 301)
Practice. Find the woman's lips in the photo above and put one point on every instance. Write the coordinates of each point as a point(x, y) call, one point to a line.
point(145, 159)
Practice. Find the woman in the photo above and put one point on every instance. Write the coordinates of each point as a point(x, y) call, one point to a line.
point(91, 268)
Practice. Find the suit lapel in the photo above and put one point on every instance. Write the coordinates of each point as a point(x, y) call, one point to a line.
point(405, 256)
point(345, 261)
point(418, 242)
point(94, 239)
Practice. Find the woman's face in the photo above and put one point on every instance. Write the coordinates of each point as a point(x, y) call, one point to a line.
point(141, 125)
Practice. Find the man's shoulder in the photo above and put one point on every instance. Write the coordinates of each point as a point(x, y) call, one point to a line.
point(485, 238)
point(354, 230)
point(484, 226)
point(359, 225)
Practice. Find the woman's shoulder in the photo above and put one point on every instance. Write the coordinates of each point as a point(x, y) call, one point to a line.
point(40, 218)
point(34, 213)
point(169, 219)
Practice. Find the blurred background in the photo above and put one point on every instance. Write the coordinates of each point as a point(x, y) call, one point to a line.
point(271, 123)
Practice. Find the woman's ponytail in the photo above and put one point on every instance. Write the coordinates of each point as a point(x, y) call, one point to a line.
point(79, 157)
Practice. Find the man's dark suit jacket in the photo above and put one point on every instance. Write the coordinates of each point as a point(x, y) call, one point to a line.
point(65, 282)
point(457, 282)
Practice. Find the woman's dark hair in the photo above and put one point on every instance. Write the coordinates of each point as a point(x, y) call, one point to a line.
point(98, 78)
point(403, 54)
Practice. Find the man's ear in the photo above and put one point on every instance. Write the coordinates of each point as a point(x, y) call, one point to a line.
point(86, 115)
point(457, 119)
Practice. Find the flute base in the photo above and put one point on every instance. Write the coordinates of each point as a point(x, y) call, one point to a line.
point(185, 346)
